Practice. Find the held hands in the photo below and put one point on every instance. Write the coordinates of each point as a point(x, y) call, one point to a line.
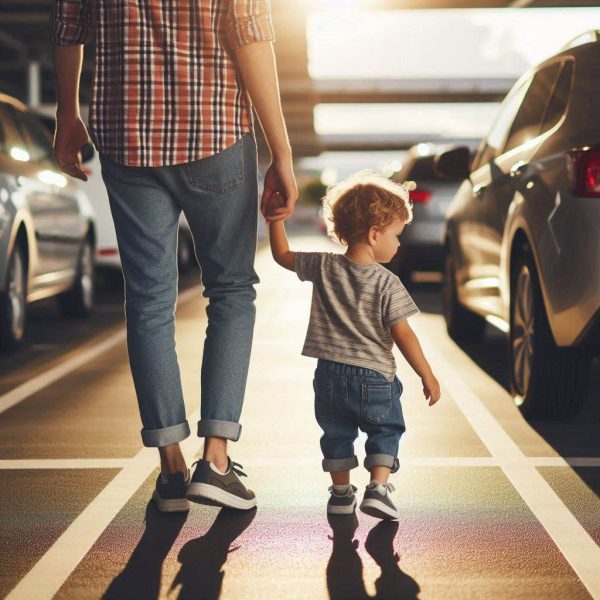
point(275, 207)
point(71, 135)
point(431, 388)
point(280, 191)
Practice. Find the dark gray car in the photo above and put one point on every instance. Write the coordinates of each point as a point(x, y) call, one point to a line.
point(47, 234)
point(421, 246)
point(522, 240)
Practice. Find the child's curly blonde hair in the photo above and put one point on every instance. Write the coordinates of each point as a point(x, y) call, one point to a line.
point(364, 200)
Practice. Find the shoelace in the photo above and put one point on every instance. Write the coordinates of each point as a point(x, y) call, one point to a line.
point(389, 486)
point(331, 490)
point(236, 468)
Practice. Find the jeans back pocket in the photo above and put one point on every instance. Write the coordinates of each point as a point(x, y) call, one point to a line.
point(376, 402)
point(323, 398)
point(220, 172)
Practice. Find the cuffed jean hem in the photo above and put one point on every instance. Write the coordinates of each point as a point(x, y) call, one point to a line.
point(382, 460)
point(339, 464)
point(222, 429)
point(156, 438)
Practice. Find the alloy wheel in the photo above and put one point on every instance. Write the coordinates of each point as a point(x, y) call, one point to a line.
point(86, 277)
point(522, 339)
point(16, 296)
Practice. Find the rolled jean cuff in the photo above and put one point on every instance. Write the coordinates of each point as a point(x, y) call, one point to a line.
point(222, 429)
point(382, 460)
point(339, 464)
point(156, 438)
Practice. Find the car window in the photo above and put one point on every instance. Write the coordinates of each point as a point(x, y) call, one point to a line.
point(10, 136)
point(39, 144)
point(560, 98)
point(419, 169)
point(528, 121)
point(490, 147)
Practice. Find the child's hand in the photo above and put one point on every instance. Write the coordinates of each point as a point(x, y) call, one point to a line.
point(431, 389)
point(275, 207)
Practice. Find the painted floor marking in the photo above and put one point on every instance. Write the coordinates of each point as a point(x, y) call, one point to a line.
point(413, 461)
point(27, 389)
point(52, 570)
point(577, 546)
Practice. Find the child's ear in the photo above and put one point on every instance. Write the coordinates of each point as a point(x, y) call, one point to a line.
point(373, 235)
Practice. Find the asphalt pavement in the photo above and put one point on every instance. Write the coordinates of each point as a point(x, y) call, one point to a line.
point(492, 506)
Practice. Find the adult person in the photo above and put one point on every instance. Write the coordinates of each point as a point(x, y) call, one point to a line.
point(171, 117)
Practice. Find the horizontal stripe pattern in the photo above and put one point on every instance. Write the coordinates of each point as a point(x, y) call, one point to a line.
point(166, 88)
point(353, 307)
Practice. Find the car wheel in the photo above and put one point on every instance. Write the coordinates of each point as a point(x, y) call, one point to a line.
point(79, 300)
point(13, 302)
point(461, 323)
point(546, 381)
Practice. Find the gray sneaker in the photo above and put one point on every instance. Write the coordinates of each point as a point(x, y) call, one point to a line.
point(341, 504)
point(170, 492)
point(377, 501)
point(209, 487)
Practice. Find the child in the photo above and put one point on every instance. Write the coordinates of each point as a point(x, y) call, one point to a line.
point(359, 309)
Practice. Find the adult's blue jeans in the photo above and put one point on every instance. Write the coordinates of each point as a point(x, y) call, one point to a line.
point(219, 198)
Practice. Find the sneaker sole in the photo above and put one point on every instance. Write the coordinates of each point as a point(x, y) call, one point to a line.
point(341, 510)
point(379, 510)
point(204, 493)
point(168, 505)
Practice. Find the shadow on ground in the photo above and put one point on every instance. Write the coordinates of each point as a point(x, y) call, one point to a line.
point(345, 569)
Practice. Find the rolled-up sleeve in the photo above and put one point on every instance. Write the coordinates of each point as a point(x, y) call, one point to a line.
point(69, 22)
point(248, 21)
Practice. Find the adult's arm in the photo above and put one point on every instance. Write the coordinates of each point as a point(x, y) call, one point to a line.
point(69, 23)
point(250, 34)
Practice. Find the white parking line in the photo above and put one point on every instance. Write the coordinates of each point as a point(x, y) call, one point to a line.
point(48, 377)
point(411, 461)
point(53, 569)
point(570, 537)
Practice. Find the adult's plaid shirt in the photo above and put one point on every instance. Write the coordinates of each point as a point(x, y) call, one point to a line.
point(166, 87)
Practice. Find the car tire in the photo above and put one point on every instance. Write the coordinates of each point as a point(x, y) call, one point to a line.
point(546, 381)
point(462, 324)
point(13, 302)
point(79, 300)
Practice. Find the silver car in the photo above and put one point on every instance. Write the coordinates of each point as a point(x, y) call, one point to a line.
point(522, 234)
point(47, 230)
point(422, 241)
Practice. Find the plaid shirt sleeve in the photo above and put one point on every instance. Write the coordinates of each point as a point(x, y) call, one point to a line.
point(69, 22)
point(248, 21)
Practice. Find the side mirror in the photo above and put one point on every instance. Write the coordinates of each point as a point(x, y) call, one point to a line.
point(87, 153)
point(454, 164)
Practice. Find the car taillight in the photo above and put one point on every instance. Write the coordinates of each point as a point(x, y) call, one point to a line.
point(586, 165)
point(420, 196)
point(108, 251)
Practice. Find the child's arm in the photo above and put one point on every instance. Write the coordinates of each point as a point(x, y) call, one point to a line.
point(279, 245)
point(407, 341)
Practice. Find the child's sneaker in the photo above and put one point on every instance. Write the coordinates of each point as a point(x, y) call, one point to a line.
point(170, 492)
point(341, 503)
point(377, 501)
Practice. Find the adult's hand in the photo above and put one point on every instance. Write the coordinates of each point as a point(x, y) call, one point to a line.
point(70, 136)
point(279, 187)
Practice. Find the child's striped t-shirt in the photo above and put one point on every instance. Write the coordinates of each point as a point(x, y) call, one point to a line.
point(353, 307)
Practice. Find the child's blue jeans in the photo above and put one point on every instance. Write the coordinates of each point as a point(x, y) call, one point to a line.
point(348, 398)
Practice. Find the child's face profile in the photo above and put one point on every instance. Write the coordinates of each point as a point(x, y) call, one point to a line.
point(385, 242)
